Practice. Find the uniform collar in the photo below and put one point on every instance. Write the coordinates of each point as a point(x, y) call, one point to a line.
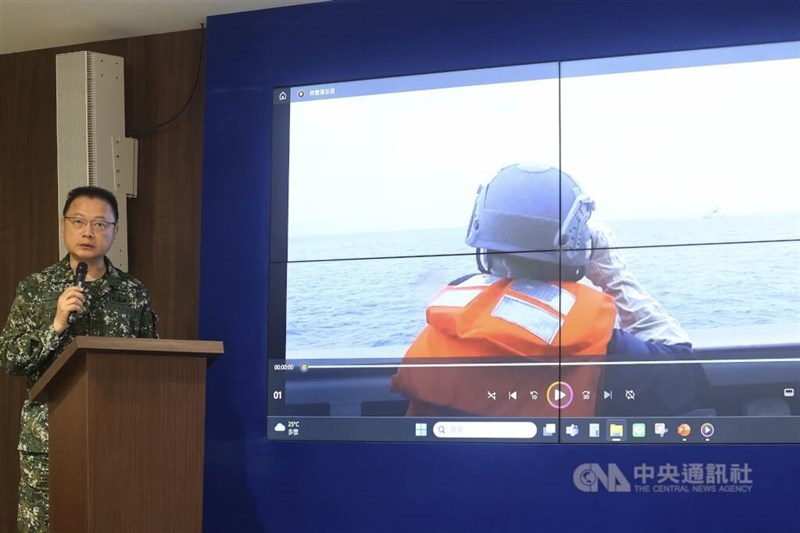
point(112, 279)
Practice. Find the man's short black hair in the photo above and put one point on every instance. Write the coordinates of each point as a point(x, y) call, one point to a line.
point(92, 192)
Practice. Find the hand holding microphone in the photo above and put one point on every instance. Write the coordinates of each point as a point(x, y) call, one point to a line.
point(71, 301)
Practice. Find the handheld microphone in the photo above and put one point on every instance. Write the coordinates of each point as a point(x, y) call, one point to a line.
point(80, 281)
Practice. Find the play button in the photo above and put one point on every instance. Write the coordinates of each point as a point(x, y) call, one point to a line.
point(560, 394)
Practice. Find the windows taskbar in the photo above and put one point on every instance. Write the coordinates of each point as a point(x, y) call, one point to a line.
point(636, 430)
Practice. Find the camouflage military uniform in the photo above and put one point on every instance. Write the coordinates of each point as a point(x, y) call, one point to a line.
point(117, 305)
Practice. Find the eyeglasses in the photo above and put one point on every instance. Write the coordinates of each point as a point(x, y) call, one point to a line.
point(97, 225)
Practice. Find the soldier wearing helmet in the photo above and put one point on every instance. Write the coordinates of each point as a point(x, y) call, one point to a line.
point(530, 326)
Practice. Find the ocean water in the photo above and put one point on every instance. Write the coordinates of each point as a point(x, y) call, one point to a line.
point(355, 292)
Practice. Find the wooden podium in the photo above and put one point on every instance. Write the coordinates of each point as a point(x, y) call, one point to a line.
point(126, 434)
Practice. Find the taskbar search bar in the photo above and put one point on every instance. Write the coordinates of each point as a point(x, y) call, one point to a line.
point(484, 430)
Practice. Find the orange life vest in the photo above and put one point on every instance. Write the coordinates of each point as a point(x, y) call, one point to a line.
point(484, 332)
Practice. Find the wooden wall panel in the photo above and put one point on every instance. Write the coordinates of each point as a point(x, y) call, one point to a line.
point(11, 393)
point(164, 219)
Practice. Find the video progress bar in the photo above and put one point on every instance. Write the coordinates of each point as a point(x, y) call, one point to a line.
point(557, 364)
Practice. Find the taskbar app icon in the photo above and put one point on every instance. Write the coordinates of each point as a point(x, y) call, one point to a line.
point(616, 430)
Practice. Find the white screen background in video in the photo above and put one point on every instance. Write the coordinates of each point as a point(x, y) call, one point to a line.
point(679, 156)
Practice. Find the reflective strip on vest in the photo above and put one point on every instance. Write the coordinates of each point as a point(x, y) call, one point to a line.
point(547, 293)
point(456, 298)
point(529, 317)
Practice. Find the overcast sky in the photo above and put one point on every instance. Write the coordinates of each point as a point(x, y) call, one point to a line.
point(672, 143)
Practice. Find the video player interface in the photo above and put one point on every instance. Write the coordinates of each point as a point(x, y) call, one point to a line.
point(604, 250)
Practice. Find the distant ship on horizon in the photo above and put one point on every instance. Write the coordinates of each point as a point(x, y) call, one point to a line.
point(714, 213)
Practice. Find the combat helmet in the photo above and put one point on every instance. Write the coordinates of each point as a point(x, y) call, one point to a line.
point(531, 218)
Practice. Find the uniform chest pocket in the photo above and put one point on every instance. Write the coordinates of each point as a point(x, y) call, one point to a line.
point(115, 318)
point(47, 309)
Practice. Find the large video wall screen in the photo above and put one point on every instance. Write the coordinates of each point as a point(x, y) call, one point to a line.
point(604, 250)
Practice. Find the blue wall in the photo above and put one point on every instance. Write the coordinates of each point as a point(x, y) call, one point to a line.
point(252, 485)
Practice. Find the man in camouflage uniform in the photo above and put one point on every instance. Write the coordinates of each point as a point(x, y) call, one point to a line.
point(112, 304)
